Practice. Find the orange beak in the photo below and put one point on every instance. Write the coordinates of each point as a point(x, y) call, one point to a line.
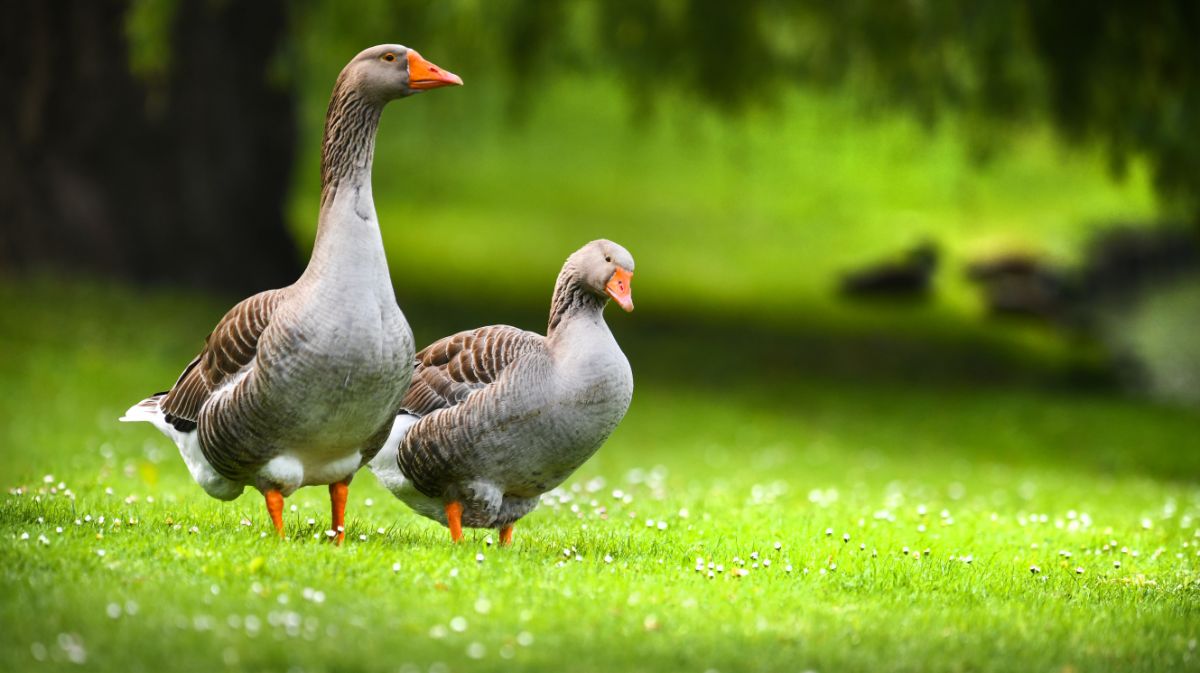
point(618, 287)
point(424, 75)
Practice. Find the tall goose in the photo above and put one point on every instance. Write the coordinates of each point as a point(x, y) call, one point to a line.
point(496, 416)
point(299, 386)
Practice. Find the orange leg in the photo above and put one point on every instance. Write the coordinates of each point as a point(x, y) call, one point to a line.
point(337, 498)
point(506, 534)
point(275, 509)
point(454, 518)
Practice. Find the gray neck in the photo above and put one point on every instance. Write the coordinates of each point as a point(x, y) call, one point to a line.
point(348, 247)
point(573, 301)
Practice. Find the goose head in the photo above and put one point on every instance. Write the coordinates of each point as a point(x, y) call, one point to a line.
point(605, 268)
point(389, 71)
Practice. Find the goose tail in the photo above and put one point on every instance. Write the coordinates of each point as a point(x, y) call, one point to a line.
point(386, 465)
point(147, 410)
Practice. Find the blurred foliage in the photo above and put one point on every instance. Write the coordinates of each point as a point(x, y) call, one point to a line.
point(1124, 75)
point(148, 30)
point(754, 215)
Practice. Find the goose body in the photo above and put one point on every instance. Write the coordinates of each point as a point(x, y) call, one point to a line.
point(496, 416)
point(298, 386)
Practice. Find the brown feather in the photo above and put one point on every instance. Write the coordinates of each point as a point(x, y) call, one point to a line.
point(231, 346)
point(451, 368)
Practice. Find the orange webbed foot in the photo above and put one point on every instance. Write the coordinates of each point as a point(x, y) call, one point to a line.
point(338, 492)
point(454, 519)
point(275, 509)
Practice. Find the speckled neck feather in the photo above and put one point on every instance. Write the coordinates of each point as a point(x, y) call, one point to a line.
point(349, 142)
point(571, 297)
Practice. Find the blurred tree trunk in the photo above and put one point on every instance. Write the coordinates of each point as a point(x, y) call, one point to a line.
point(182, 183)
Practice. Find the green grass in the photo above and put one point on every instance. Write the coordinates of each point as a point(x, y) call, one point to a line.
point(1008, 478)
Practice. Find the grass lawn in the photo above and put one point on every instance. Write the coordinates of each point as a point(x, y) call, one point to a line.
point(847, 526)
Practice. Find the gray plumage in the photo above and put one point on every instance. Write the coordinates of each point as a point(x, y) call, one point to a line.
point(498, 415)
point(299, 386)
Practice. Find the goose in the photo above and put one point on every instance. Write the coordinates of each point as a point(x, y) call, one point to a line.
point(496, 416)
point(909, 276)
point(299, 386)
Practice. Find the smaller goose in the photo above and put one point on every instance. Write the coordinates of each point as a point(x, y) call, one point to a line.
point(496, 416)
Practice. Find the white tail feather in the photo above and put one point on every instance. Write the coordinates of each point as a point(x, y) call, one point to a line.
point(385, 464)
point(147, 410)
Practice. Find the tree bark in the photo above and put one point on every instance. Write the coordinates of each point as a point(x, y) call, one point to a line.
point(182, 183)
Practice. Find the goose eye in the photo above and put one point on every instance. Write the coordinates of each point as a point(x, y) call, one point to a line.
point(389, 57)
point(608, 259)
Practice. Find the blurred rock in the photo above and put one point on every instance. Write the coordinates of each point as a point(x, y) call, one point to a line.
point(1156, 341)
point(1125, 260)
point(1141, 287)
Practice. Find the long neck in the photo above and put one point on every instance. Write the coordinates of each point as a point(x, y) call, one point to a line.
point(572, 301)
point(348, 147)
point(348, 244)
